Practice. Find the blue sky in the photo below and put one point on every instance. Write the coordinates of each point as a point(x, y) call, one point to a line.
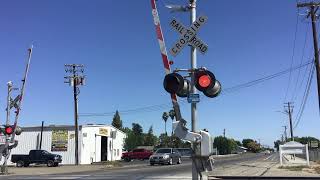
point(116, 41)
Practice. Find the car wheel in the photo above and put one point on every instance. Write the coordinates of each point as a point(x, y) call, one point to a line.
point(20, 164)
point(151, 164)
point(127, 159)
point(179, 161)
point(56, 164)
point(170, 161)
point(50, 163)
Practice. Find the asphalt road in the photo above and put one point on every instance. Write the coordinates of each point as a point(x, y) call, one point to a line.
point(137, 170)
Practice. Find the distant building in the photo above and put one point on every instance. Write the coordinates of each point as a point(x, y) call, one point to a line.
point(97, 143)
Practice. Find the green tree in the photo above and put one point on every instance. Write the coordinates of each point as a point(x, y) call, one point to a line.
point(138, 132)
point(224, 145)
point(245, 142)
point(116, 121)
point(238, 143)
point(253, 147)
point(186, 144)
point(164, 140)
point(150, 139)
point(232, 144)
point(176, 142)
point(130, 141)
point(305, 140)
point(134, 136)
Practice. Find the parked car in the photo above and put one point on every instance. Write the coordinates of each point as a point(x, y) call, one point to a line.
point(185, 152)
point(136, 154)
point(165, 156)
point(36, 156)
point(267, 152)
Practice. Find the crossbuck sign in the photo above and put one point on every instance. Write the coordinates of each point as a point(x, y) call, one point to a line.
point(189, 35)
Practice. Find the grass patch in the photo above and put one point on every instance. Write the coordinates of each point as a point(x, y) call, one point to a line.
point(317, 169)
point(109, 163)
point(293, 168)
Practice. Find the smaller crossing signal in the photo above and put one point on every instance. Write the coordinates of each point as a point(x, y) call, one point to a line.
point(174, 83)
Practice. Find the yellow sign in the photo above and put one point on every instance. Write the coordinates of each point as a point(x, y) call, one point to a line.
point(103, 131)
point(59, 140)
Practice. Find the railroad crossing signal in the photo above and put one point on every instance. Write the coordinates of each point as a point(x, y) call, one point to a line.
point(204, 81)
point(188, 35)
point(8, 130)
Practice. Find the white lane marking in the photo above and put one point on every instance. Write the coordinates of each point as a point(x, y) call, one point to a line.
point(275, 158)
point(167, 177)
point(268, 157)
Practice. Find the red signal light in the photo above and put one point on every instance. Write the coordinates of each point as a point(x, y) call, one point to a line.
point(8, 130)
point(204, 81)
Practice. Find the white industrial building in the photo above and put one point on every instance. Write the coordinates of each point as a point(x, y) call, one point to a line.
point(96, 142)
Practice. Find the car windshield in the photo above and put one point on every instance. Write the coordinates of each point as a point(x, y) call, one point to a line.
point(45, 152)
point(159, 151)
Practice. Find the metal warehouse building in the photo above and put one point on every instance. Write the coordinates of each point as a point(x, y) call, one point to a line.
point(96, 142)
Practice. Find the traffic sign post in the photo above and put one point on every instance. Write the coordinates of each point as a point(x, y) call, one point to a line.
point(179, 85)
point(188, 35)
point(193, 98)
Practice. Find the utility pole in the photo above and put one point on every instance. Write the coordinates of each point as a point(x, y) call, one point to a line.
point(313, 8)
point(41, 135)
point(75, 80)
point(193, 54)
point(224, 133)
point(289, 112)
point(285, 133)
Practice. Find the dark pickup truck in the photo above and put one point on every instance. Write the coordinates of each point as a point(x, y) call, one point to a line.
point(38, 157)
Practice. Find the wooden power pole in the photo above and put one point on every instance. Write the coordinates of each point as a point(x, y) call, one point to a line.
point(313, 8)
point(289, 112)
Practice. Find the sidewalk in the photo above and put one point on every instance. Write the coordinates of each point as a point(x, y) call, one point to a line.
point(293, 161)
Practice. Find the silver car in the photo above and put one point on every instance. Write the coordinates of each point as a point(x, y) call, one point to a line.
point(165, 156)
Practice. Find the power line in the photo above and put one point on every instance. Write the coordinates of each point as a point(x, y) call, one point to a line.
point(306, 70)
point(305, 97)
point(301, 61)
point(260, 80)
point(183, 101)
point(293, 52)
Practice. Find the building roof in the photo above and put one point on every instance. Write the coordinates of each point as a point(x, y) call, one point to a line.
point(65, 127)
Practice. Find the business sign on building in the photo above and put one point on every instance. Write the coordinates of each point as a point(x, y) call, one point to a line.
point(59, 140)
point(103, 132)
point(314, 144)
